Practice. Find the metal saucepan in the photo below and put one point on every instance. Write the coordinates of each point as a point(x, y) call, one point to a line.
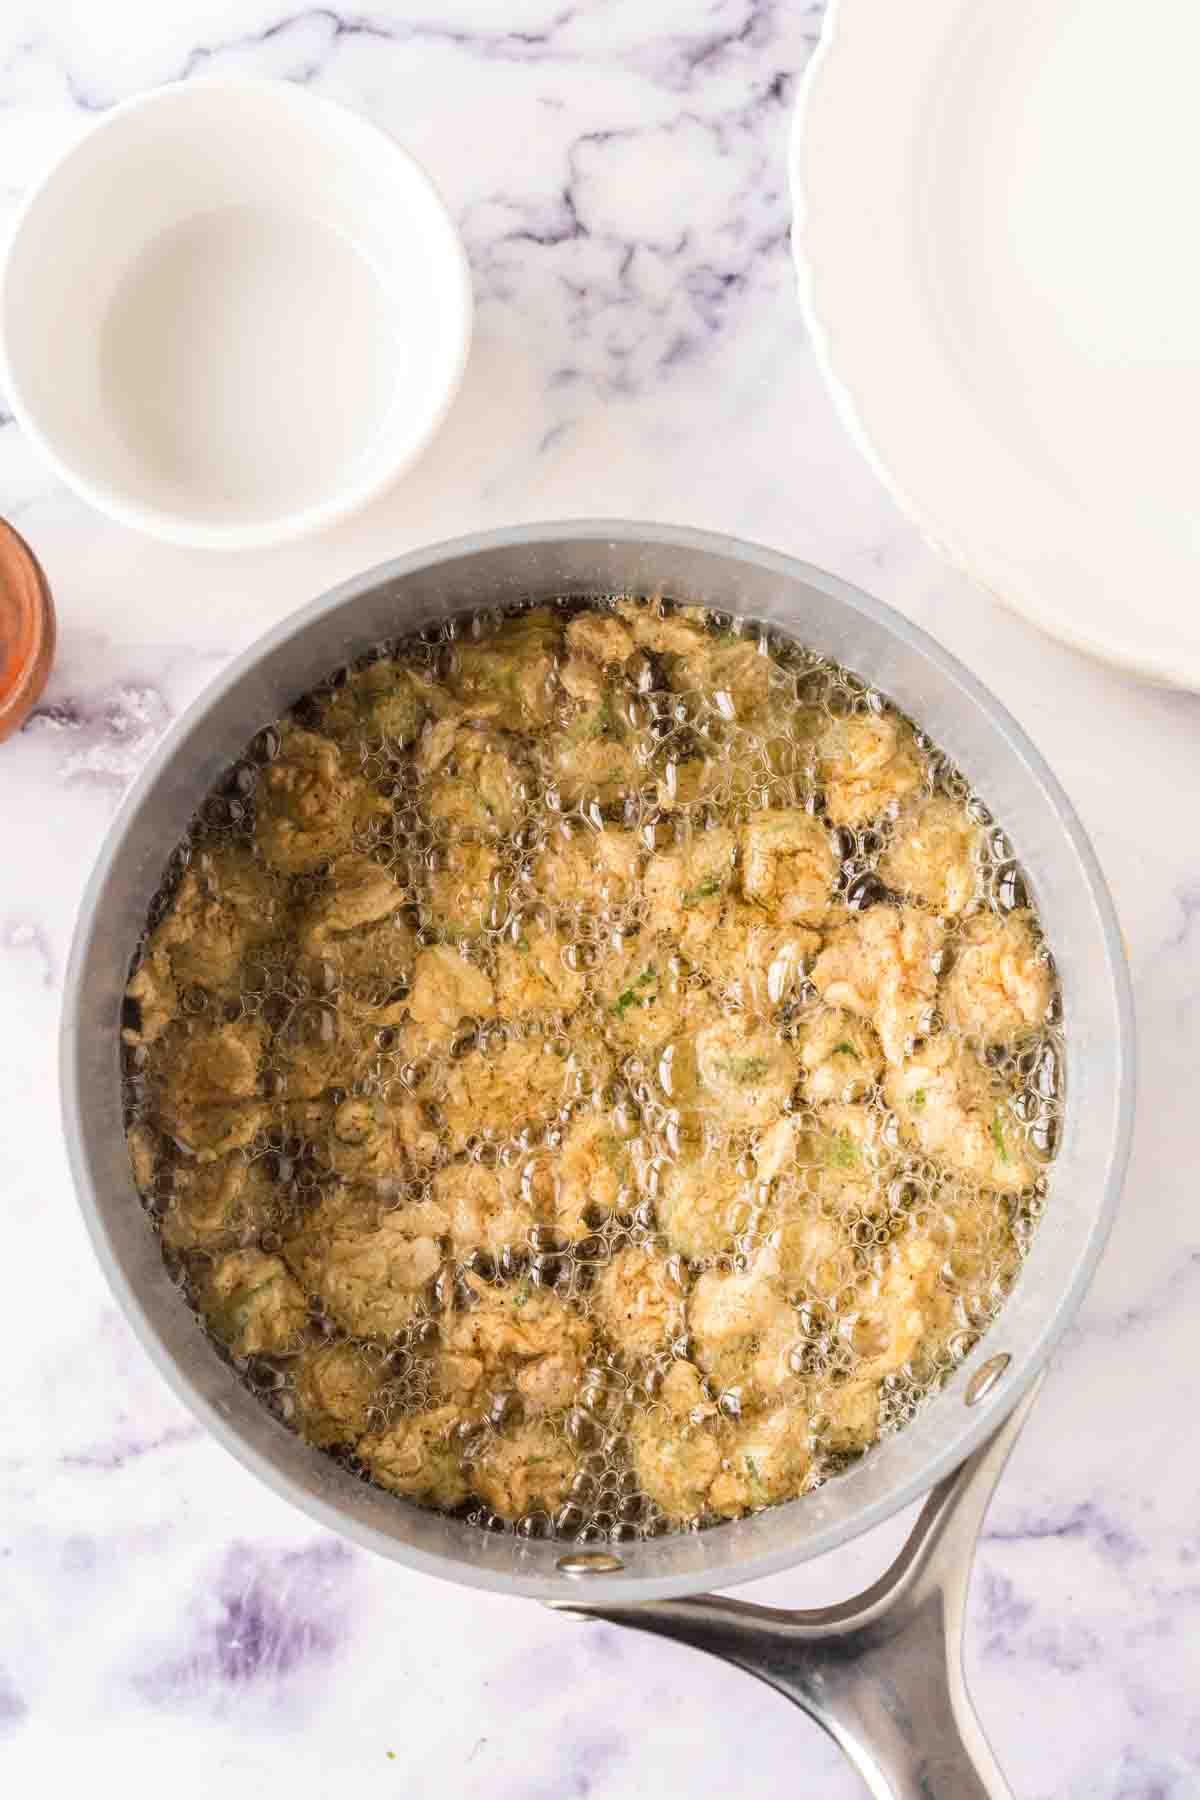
point(883, 1672)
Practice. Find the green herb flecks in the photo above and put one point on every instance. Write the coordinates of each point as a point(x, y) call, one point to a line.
point(753, 1471)
point(745, 1068)
point(601, 722)
point(522, 1295)
point(647, 979)
point(240, 1308)
point(998, 1137)
point(703, 891)
point(917, 1099)
point(846, 1048)
point(843, 1152)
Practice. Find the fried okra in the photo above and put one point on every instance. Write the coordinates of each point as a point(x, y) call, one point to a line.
point(368, 1262)
point(585, 1063)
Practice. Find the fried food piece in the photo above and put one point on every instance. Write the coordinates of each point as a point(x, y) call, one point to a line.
point(684, 888)
point(419, 1457)
point(252, 1304)
point(856, 1136)
point(906, 1306)
point(466, 891)
point(952, 1108)
point(319, 1046)
point(601, 636)
point(776, 1147)
point(745, 1074)
point(676, 1454)
point(593, 760)
point(765, 1460)
point(881, 965)
point(868, 763)
point(534, 974)
point(334, 1387)
point(376, 970)
point(809, 1255)
point(227, 905)
point(152, 989)
point(667, 633)
point(492, 1093)
point(1000, 985)
point(584, 680)
point(818, 1178)
point(446, 989)
point(528, 1470)
point(735, 676)
point(841, 1058)
point(750, 962)
point(788, 865)
point(933, 855)
point(368, 970)
point(211, 1064)
point(585, 868)
point(686, 776)
point(370, 1264)
point(516, 1338)
point(648, 997)
point(638, 1301)
point(145, 1154)
point(491, 1209)
point(384, 701)
point(210, 1099)
point(309, 806)
point(361, 1138)
point(511, 669)
point(701, 1201)
point(846, 1418)
point(358, 892)
point(597, 1171)
point(471, 781)
point(743, 1330)
point(217, 1205)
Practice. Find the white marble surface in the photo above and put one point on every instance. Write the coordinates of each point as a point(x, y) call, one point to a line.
point(617, 169)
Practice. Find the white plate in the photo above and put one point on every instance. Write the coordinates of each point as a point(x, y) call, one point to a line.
point(995, 235)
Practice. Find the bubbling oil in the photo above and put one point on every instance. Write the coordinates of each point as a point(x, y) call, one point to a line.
point(393, 1219)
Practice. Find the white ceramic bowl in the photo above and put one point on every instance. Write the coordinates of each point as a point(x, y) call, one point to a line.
point(990, 232)
point(233, 312)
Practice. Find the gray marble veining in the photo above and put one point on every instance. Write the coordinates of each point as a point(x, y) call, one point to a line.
point(617, 170)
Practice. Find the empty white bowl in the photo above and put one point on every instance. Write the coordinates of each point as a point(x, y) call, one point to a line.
point(233, 312)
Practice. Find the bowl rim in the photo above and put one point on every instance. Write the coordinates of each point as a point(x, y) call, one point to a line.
point(324, 116)
point(983, 1420)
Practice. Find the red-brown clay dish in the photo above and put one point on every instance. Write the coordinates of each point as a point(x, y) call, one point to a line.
point(27, 630)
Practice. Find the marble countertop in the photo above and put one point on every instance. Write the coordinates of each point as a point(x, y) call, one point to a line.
point(617, 170)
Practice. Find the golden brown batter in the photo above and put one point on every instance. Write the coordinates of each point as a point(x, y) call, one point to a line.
point(589, 1068)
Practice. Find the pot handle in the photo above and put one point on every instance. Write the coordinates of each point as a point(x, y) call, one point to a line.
point(881, 1673)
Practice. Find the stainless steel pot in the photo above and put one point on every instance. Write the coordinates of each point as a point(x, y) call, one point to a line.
point(883, 1672)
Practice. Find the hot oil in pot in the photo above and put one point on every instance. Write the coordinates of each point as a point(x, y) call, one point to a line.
point(594, 1069)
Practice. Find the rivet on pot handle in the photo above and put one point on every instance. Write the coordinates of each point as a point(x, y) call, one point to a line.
point(882, 1673)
